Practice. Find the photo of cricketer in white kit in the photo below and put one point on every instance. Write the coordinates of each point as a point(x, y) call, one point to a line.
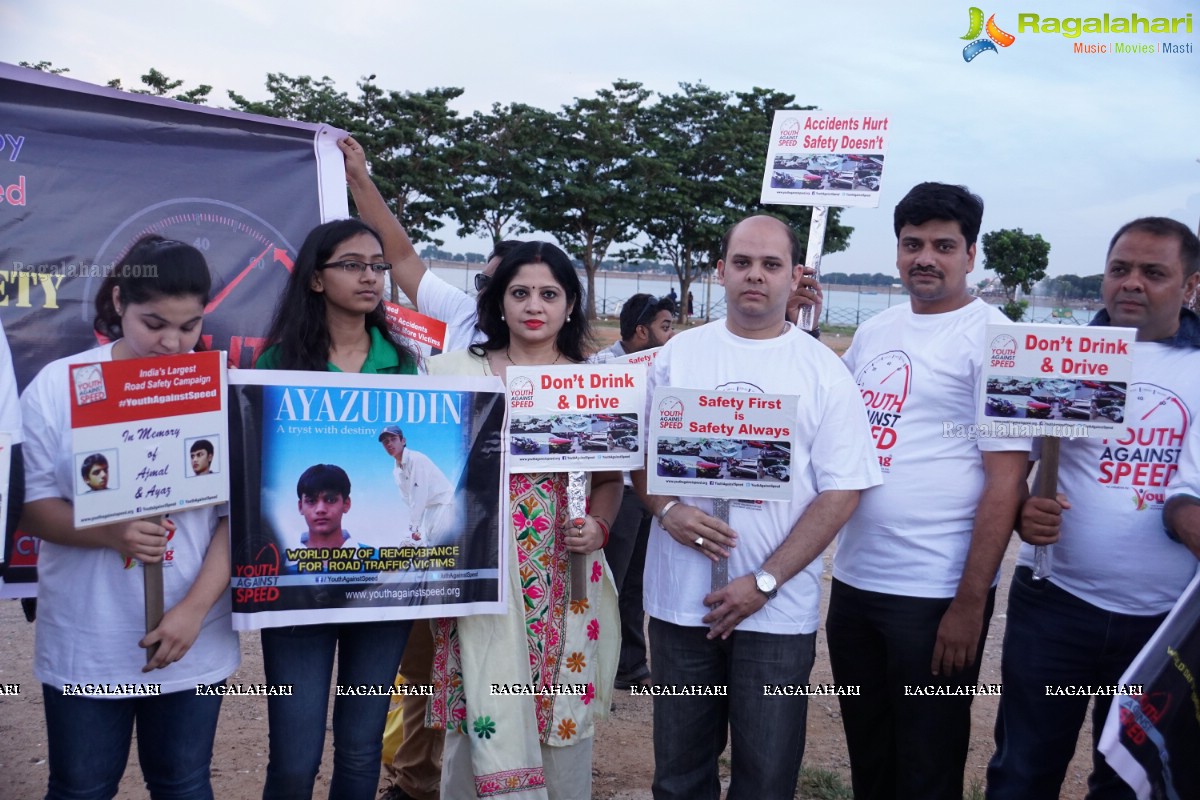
point(425, 490)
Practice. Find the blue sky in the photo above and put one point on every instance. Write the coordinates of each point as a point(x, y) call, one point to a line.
point(1062, 144)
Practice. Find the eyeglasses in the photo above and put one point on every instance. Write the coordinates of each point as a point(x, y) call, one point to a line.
point(481, 281)
point(358, 266)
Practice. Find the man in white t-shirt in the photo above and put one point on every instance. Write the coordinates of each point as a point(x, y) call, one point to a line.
point(432, 296)
point(1114, 573)
point(916, 565)
point(758, 631)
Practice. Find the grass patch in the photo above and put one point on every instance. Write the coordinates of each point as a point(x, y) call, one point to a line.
point(822, 784)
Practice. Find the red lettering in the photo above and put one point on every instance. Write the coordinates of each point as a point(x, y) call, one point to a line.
point(885, 438)
point(263, 594)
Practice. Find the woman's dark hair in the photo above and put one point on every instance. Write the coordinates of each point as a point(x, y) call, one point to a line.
point(574, 340)
point(300, 330)
point(153, 268)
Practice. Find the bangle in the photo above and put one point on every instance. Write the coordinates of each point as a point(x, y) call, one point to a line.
point(604, 530)
point(662, 514)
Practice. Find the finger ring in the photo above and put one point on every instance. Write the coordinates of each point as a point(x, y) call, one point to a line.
point(700, 542)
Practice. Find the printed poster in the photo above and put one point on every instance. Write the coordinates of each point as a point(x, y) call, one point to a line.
point(576, 417)
point(1057, 381)
point(1150, 739)
point(148, 437)
point(364, 497)
point(721, 444)
point(826, 158)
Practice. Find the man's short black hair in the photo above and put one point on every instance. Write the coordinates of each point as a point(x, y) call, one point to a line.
point(202, 444)
point(793, 239)
point(641, 309)
point(321, 478)
point(91, 461)
point(1189, 243)
point(927, 201)
point(503, 247)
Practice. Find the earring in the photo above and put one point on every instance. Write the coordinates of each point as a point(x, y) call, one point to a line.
point(568, 317)
point(502, 318)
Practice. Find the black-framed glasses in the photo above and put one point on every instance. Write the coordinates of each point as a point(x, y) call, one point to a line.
point(358, 266)
point(481, 281)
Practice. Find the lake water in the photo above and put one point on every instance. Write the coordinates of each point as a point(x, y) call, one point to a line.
point(842, 307)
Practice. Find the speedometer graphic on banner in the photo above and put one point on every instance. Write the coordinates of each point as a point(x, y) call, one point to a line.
point(248, 257)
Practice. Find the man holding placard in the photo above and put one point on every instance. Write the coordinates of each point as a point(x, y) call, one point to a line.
point(916, 565)
point(718, 655)
point(1115, 574)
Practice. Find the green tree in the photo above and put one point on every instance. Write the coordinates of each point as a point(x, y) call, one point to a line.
point(44, 66)
point(410, 138)
point(301, 98)
point(503, 153)
point(412, 141)
point(705, 152)
point(160, 85)
point(1019, 261)
point(591, 183)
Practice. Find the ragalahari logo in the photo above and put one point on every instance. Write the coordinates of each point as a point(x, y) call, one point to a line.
point(995, 36)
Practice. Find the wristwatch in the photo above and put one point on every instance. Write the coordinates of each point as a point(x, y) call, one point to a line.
point(766, 583)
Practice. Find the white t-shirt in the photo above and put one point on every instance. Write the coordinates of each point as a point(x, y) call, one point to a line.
point(1113, 552)
point(91, 607)
point(456, 308)
point(10, 407)
point(831, 451)
point(919, 378)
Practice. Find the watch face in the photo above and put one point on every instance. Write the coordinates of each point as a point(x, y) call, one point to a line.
point(765, 582)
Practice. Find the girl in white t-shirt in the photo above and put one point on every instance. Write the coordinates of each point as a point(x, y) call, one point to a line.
point(90, 638)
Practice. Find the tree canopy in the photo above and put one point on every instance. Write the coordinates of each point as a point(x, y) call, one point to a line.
point(1019, 260)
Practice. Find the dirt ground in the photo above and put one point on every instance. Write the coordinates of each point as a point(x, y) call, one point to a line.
point(623, 759)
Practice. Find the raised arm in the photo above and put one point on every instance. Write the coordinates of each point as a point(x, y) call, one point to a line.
point(407, 266)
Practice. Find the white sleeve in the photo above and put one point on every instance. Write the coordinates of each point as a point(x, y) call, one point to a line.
point(843, 454)
point(10, 407)
point(1187, 480)
point(456, 308)
point(43, 432)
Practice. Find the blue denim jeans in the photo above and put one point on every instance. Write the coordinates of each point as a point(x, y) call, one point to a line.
point(89, 738)
point(690, 732)
point(901, 745)
point(1053, 638)
point(368, 654)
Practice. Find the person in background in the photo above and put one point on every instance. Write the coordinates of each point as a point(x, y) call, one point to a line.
point(646, 322)
point(432, 296)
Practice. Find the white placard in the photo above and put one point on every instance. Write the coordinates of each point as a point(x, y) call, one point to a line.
point(1050, 380)
point(575, 417)
point(148, 436)
point(721, 444)
point(825, 158)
